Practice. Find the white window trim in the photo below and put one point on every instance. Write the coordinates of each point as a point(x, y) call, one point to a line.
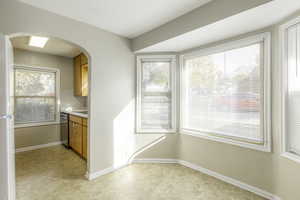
point(57, 88)
point(266, 126)
point(284, 79)
point(139, 59)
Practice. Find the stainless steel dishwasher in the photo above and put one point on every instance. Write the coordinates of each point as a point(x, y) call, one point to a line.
point(64, 129)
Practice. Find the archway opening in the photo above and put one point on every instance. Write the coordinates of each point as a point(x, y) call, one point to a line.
point(51, 108)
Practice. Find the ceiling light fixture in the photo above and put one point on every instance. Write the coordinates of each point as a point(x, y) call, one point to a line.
point(36, 41)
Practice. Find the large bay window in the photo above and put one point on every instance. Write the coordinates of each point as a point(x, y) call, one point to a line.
point(290, 33)
point(225, 93)
point(36, 96)
point(156, 94)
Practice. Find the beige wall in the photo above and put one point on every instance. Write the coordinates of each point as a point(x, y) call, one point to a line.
point(31, 136)
point(112, 108)
point(286, 172)
point(161, 146)
point(38, 135)
point(268, 171)
point(112, 139)
point(112, 69)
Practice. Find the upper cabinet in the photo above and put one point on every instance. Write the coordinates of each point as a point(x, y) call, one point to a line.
point(83, 59)
point(81, 75)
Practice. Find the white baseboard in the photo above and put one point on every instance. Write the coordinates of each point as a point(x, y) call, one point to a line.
point(229, 180)
point(219, 176)
point(158, 160)
point(41, 146)
point(92, 176)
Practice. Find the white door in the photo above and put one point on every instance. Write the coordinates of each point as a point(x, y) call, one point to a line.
point(7, 145)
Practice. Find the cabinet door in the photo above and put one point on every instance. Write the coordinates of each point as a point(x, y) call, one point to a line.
point(77, 76)
point(78, 138)
point(84, 59)
point(84, 79)
point(84, 142)
point(71, 134)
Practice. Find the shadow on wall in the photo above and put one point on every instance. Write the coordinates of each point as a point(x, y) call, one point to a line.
point(126, 143)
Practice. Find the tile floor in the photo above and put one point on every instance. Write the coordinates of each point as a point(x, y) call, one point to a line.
point(58, 174)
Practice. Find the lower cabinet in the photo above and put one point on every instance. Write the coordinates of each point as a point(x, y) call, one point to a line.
point(84, 142)
point(78, 135)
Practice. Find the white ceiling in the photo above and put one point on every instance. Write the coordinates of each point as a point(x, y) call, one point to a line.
point(129, 18)
point(53, 46)
point(247, 21)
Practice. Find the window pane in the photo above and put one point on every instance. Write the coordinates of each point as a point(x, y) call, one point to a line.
point(34, 83)
point(156, 112)
point(293, 108)
point(156, 95)
point(223, 93)
point(156, 76)
point(34, 110)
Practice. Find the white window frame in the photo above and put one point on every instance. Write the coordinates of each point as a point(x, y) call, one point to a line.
point(266, 87)
point(57, 92)
point(139, 60)
point(284, 87)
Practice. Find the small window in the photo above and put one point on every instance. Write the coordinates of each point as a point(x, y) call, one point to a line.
point(156, 94)
point(36, 96)
point(225, 93)
point(291, 89)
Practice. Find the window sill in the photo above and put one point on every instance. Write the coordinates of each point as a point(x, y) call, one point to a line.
point(35, 124)
point(291, 156)
point(258, 147)
point(162, 131)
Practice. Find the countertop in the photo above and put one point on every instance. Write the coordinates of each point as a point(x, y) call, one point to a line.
point(77, 113)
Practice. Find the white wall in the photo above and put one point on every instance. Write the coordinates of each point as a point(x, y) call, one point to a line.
point(204, 15)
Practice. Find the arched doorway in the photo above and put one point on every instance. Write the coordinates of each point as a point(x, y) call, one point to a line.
point(59, 100)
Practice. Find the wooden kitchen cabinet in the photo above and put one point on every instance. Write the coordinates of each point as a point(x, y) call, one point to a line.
point(81, 75)
point(78, 135)
point(84, 137)
point(85, 80)
point(84, 59)
point(77, 76)
point(71, 134)
point(84, 142)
